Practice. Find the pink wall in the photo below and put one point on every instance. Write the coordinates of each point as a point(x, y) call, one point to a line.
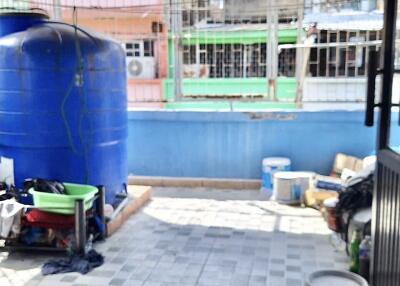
point(144, 93)
point(115, 3)
point(127, 25)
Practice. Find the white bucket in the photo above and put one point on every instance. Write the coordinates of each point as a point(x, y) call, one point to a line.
point(289, 187)
point(335, 277)
point(270, 166)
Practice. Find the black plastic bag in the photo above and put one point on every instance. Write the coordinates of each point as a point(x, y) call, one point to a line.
point(357, 196)
point(46, 186)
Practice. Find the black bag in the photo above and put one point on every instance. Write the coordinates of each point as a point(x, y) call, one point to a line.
point(46, 186)
point(357, 196)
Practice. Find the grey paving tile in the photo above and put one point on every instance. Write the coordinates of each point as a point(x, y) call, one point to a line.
point(119, 260)
point(277, 273)
point(327, 264)
point(37, 277)
point(258, 279)
point(117, 282)
point(293, 256)
point(291, 268)
point(294, 282)
point(277, 261)
point(240, 280)
point(208, 237)
point(92, 280)
point(101, 273)
point(31, 283)
point(153, 257)
point(69, 278)
point(128, 268)
point(228, 263)
point(135, 282)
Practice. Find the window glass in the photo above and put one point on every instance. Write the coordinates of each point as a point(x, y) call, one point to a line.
point(132, 49)
point(148, 48)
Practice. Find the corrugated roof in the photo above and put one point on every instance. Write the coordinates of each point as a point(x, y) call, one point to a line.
point(346, 20)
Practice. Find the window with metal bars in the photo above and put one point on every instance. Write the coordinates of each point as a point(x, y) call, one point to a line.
point(233, 12)
point(233, 61)
point(329, 5)
point(140, 48)
point(343, 60)
point(195, 11)
point(287, 63)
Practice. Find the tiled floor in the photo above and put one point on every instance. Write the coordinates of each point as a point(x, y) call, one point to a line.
point(200, 237)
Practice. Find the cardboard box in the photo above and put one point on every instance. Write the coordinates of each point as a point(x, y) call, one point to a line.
point(315, 198)
point(343, 161)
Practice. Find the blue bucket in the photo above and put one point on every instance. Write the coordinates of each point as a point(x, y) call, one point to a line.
point(270, 166)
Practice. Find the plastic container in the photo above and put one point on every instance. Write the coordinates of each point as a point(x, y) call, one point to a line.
point(364, 257)
point(332, 217)
point(289, 187)
point(270, 166)
point(10, 211)
point(64, 204)
point(335, 277)
point(359, 222)
point(354, 251)
point(73, 123)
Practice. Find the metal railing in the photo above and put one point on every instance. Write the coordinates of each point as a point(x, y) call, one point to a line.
point(204, 52)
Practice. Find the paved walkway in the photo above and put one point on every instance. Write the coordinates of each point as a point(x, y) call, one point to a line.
point(200, 237)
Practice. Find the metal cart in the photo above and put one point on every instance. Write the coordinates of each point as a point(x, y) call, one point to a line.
point(80, 227)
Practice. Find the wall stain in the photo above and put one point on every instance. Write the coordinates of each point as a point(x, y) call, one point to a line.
point(270, 116)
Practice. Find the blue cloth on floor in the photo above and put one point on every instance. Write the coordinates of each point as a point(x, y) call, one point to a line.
point(77, 263)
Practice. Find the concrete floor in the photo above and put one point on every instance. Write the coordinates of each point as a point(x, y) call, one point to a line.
point(200, 237)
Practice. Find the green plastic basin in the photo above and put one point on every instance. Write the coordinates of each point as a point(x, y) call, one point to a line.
point(64, 204)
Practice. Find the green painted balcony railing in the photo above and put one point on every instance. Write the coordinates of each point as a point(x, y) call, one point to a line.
point(246, 37)
point(286, 92)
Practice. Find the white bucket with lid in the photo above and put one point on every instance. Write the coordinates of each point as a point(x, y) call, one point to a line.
point(289, 187)
point(270, 166)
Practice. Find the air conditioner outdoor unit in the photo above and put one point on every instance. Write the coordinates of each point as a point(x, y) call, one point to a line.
point(140, 67)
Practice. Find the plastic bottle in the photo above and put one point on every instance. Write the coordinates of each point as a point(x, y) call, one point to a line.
point(364, 257)
point(354, 251)
point(337, 242)
point(89, 244)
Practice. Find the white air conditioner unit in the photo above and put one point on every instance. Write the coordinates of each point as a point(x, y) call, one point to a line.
point(140, 67)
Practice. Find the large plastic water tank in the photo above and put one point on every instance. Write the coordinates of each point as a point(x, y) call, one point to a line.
point(63, 112)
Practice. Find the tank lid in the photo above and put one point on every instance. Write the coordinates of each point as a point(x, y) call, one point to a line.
point(32, 13)
point(13, 20)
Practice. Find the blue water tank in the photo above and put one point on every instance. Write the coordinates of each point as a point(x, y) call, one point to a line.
point(63, 104)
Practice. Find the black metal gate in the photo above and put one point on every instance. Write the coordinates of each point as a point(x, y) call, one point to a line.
point(385, 266)
point(386, 252)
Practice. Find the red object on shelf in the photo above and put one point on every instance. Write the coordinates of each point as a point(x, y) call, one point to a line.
point(38, 218)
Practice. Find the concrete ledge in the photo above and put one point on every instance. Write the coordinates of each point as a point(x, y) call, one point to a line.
point(237, 184)
point(138, 196)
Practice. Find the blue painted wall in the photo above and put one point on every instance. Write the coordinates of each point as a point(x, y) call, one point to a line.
point(232, 144)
